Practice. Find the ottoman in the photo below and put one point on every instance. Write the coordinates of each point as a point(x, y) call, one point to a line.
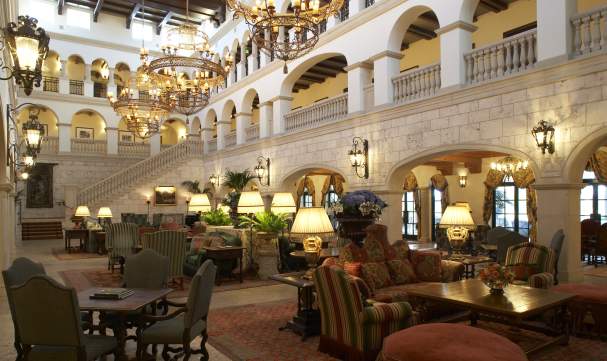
point(449, 342)
point(589, 300)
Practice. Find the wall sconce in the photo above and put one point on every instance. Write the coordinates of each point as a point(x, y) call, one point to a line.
point(28, 45)
point(262, 171)
point(215, 179)
point(543, 134)
point(359, 156)
point(463, 181)
point(33, 131)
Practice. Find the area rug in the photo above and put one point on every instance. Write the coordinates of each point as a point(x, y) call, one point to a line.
point(599, 271)
point(62, 255)
point(82, 279)
point(250, 333)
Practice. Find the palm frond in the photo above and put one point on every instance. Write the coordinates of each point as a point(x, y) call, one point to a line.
point(238, 180)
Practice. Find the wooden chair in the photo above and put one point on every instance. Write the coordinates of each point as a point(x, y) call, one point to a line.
point(171, 244)
point(121, 239)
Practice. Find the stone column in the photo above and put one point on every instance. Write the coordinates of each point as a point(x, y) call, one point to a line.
point(265, 119)
point(558, 206)
point(392, 215)
point(207, 136)
point(7, 222)
point(265, 57)
point(242, 69)
point(386, 65)
point(554, 30)
point(332, 21)
point(155, 144)
point(243, 121)
point(232, 75)
point(111, 136)
point(223, 129)
point(64, 81)
point(455, 41)
point(281, 105)
point(356, 6)
point(88, 81)
point(359, 75)
point(111, 84)
point(65, 137)
point(425, 221)
point(253, 58)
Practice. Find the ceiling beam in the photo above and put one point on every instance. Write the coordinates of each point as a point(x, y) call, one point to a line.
point(311, 79)
point(318, 69)
point(129, 19)
point(428, 17)
point(176, 9)
point(60, 6)
point(337, 65)
point(97, 10)
point(419, 31)
point(495, 5)
point(163, 22)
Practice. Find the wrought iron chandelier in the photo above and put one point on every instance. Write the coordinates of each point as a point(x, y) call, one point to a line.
point(288, 35)
point(509, 165)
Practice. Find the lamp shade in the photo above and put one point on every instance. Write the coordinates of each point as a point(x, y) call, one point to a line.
point(225, 209)
point(457, 215)
point(200, 203)
point(83, 211)
point(104, 212)
point(313, 220)
point(250, 202)
point(283, 203)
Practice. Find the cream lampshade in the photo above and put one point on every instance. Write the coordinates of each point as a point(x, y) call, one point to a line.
point(312, 221)
point(104, 212)
point(283, 203)
point(458, 221)
point(250, 202)
point(82, 211)
point(225, 209)
point(200, 203)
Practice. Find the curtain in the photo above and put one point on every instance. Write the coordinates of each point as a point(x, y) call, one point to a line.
point(524, 179)
point(598, 163)
point(494, 179)
point(439, 182)
point(412, 186)
point(338, 184)
point(305, 183)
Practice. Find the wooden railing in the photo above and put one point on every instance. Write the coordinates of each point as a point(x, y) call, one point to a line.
point(252, 132)
point(324, 111)
point(49, 145)
point(134, 149)
point(213, 145)
point(76, 87)
point(88, 146)
point(589, 31)
point(50, 84)
point(230, 139)
point(512, 55)
point(416, 83)
point(139, 172)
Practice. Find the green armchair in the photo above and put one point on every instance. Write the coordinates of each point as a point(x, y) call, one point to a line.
point(533, 264)
point(121, 239)
point(171, 244)
point(197, 255)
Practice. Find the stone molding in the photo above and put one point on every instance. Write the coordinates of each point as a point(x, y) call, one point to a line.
point(558, 186)
point(281, 97)
point(360, 64)
point(243, 114)
point(386, 53)
point(456, 25)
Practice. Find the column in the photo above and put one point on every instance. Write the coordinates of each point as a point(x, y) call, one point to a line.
point(281, 105)
point(455, 41)
point(242, 69)
point(232, 75)
point(243, 121)
point(155, 144)
point(386, 65)
point(356, 6)
point(265, 119)
point(392, 215)
point(425, 223)
point(7, 222)
point(207, 136)
point(65, 138)
point(265, 57)
point(111, 136)
point(88, 82)
point(554, 31)
point(253, 58)
point(64, 81)
point(359, 75)
point(223, 129)
point(111, 84)
point(558, 206)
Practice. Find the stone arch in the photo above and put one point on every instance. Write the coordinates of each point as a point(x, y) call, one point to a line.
point(46, 116)
point(294, 74)
point(51, 66)
point(173, 131)
point(250, 104)
point(75, 67)
point(399, 29)
point(195, 126)
point(294, 174)
point(85, 120)
point(100, 71)
point(122, 74)
point(576, 161)
point(227, 111)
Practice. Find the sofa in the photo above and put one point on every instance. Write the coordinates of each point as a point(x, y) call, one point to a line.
point(197, 255)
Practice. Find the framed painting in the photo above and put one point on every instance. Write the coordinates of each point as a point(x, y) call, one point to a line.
point(126, 137)
point(40, 186)
point(165, 196)
point(85, 133)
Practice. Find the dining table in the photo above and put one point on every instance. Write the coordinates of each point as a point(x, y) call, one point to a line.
point(121, 308)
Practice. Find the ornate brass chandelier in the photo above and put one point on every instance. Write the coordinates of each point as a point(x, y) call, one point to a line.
point(288, 35)
point(509, 165)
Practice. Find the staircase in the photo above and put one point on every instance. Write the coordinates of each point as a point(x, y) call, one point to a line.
point(32, 231)
point(119, 183)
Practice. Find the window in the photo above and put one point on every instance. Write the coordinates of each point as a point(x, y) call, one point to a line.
point(409, 216)
point(510, 207)
point(331, 197)
point(142, 31)
point(305, 201)
point(78, 18)
point(437, 211)
point(593, 198)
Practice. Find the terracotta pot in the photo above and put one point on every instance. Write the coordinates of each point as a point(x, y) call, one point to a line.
point(354, 228)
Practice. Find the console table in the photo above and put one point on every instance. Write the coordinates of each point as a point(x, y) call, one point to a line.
point(82, 235)
point(225, 254)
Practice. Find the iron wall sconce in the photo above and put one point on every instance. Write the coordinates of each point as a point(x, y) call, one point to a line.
point(262, 170)
point(215, 180)
point(463, 181)
point(359, 157)
point(543, 134)
point(23, 160)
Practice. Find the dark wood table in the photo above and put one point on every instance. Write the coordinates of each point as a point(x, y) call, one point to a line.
point(324, 253)
point(470, 262)
point(75, 233)
point(138, 300)
point(99, 237)
point(307, 320)
point(226, 254)
point(516, 306)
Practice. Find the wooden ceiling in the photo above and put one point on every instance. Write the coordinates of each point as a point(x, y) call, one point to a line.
point(160, 12)
point(320, 72)
point(472, 160)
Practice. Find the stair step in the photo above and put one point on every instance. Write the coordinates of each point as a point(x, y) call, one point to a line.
point(31, 231)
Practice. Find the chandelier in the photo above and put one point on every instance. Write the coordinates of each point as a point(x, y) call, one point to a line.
point(288, 35)
point(509, 165)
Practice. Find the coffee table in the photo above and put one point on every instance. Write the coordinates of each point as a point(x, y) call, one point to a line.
point(516, 306)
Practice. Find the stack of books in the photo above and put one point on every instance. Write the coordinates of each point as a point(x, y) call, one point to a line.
point(111, 294)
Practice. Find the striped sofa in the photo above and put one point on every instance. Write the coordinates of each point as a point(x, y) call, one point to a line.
point(171, 244)
point(121, 238)
point(533, 264)
point(350, 330)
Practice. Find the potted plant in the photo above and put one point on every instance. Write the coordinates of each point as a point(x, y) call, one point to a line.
point(217, 217)
point(237, 182)
point(355, 211)
point(267, 227)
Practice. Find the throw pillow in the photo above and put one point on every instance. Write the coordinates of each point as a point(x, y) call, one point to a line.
point(353, 268)
point(401, 271)
point(524, 271)
point(352, 253)
point(401, 250)
point(427, 265)
point(374, 250)
point(379, 233)
point(331, 261)
point(376, 275)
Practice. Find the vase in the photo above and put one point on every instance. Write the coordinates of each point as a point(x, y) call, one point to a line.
point(353, 228)
point(496, 291)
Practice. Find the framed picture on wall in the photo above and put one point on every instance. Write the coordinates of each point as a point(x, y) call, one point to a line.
point(126, 137)
point(165, 196)
point(85, 133)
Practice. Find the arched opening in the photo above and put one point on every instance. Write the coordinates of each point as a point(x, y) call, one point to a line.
point(122, 75)
point(51, 71)
point(238, 58)
point(496, 23)
point(49, 121)
point(88, 132)
point(196, 126)
point(100, 73)
point(76, 72)
point(248, 52)
point(172, 131)
point(211, 122)
point(126, 137)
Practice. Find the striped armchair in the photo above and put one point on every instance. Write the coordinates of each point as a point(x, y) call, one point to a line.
point(533, 264)
point(121, 238)
point(349, 330)
point(171, 244)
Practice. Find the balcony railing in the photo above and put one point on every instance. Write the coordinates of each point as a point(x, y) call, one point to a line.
point(324, 111)
point(589, 31)
point(213, 145)
point(165, 146)
point(76, 87)
point(50, 145)
point(88, 146)
point(252, 132)
point(230, 139)
point(99, 90)
point(417, 83)
point(50, 84)
point(134, 149)
point(510, 56)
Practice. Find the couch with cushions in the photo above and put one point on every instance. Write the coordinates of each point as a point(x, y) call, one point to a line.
point(197, 255)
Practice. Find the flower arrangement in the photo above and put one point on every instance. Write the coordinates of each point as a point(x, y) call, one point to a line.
point(361, 203)
point(496, 277)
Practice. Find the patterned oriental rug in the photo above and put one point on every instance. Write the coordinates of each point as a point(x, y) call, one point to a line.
point(62, 255)
point(250, 333)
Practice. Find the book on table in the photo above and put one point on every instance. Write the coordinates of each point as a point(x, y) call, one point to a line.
point(112, 293)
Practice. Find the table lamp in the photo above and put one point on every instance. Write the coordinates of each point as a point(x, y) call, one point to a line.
point(312, 222)
point(81, 213)
point(283, 203)
point(200, 203)
point(250, 203)
point(105, 214)
point(458, 221)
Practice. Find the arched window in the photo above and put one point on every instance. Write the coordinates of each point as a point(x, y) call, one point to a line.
point(593, 198)
point(306, 199)
point(510, 207)
point(331, 197)
point(409, 216)
point(437, 210)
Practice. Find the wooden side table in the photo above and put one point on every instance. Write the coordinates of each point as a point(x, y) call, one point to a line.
point(82, 235)
point(470, 263)
point(100, 241)
point(225, 254)
point(307, 320)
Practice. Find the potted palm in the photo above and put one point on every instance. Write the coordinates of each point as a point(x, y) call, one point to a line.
point(267, 226)
point(355, 211)
point(236, 182)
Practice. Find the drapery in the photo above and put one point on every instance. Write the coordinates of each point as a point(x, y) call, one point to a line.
point(338, 184)
point(598, 163)
point(306, 183)
point(411, 185)
point(439, 182)
point(494, 179)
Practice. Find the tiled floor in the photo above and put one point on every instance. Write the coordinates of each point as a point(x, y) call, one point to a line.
point(40, 251)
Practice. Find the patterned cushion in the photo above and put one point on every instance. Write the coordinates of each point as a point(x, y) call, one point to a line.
point(376, 275)
point(523, 271)
point(401, 272)
point(427, 265)
point(352, 253)
point(331, 261)
point(375, 250)
point(401, 250)
point(353, 268)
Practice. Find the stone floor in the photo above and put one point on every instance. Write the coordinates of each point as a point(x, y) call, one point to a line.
point(40, 251)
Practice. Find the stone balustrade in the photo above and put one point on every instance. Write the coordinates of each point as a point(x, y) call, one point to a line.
point(89, 146)
point(323, 111)
point(230, 139)
point(416, 83)
point(49, 145)
point(589, 31)
point(134, 149)
point(213, 145)
point(252, 132)
point(512, 55)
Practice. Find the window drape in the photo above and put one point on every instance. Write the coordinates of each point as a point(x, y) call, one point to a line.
point(411, 185)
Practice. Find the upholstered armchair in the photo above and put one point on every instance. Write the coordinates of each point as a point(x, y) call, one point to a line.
point(185, 323)
point(533, 264)
point(140, 219)
point(171, 244)
point(121, 239)
point(349, 330)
